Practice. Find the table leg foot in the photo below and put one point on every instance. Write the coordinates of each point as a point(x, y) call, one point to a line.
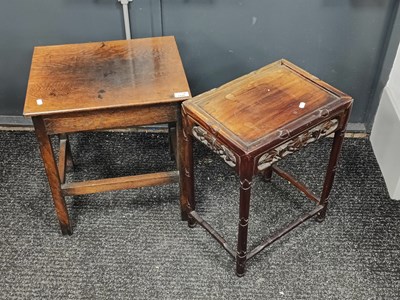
point(267, 174)
point(321, 215)
point(66, 229)
point(191, 222)
point(240, 274)
point(184, 216)
point(240, 265)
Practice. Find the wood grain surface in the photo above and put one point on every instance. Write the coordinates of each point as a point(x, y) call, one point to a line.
point(260, 103)
point(90, 76)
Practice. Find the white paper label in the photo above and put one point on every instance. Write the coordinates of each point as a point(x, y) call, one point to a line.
point(39, 101)
point(181, 94)
point(302, 105)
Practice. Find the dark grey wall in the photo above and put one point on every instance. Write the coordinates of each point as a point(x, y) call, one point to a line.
point(24, 24)
point(341, 41)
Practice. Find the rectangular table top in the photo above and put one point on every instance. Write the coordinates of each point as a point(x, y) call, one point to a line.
point(247, 110)
point(101, 75)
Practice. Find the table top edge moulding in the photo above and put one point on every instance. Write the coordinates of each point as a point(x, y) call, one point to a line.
point(103, 75)
point(293, 112)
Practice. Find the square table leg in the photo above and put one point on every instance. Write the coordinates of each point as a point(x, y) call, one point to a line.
point(47, 153)
point(64, 142)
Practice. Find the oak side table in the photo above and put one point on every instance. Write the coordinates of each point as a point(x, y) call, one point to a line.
point(252, 123)
point(102, 85)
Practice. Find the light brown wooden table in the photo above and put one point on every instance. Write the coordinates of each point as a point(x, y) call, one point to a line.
point(102, 85)
point(252, 123)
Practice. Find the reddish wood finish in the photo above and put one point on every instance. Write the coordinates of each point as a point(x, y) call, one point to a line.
point(309, 194)
point(246, 178)
point(186, 170)
point(213, 232)
point(257, 120)
point(280, 233)
point(103, 85)
point(262, 107)
point(332, 165)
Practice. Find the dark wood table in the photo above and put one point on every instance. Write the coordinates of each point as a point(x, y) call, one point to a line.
point(252, 123)
point(102, 85)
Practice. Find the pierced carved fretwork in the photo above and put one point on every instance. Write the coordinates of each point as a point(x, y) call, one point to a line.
point(211, 142)
point(300, 141)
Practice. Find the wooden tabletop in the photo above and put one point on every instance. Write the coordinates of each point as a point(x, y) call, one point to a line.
point(80, 77)
point(253, 106)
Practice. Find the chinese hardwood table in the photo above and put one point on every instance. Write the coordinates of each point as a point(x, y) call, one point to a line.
point(102, 85)
point(252, 123)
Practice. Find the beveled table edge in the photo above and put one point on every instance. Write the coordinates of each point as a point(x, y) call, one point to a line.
point(342, 102)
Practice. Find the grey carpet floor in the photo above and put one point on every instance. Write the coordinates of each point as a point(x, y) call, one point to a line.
point(132, 244)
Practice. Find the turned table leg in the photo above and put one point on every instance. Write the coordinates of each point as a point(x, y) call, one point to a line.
point(332, 166)
point(185, 146)
point(51, 169)
point(246, 174)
